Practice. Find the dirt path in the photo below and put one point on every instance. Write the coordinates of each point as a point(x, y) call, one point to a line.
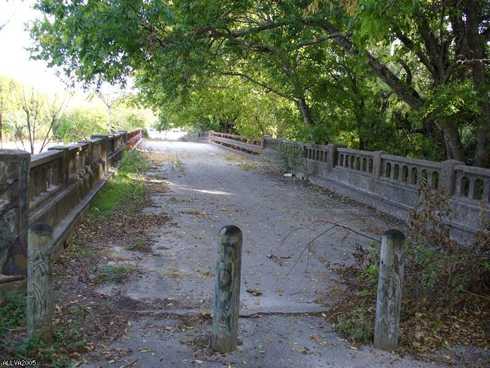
point(171, 294)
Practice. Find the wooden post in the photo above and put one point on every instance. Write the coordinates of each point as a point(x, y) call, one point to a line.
point(388, 303)
point(40, 304)
point(226, 308)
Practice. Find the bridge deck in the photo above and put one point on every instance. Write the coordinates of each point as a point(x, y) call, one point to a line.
point(210, 187)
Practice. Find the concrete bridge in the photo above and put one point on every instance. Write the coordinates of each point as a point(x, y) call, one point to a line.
point(291, 249)
point(287, 271)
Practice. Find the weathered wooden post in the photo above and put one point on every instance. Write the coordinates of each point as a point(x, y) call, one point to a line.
point(388, 303)
point(40, 304)
point(226, 308)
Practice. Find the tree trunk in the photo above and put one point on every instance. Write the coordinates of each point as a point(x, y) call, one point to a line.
point(404, 91)
point(305, 112)
point(476, 54)
point(482, 154)
point(453, 141)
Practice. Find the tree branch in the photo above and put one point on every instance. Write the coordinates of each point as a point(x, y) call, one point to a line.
point(261, 84)
point(406, 93)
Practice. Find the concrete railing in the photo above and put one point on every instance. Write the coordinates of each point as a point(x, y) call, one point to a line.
point(390, 183)
point(236, 142)
point(52, 188)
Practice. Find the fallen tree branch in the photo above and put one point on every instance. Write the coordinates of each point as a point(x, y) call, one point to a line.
point(345, 227)
point(307, 246)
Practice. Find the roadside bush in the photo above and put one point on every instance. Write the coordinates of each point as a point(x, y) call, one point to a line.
point(446, 290)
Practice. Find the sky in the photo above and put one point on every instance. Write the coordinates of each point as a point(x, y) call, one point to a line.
point(14, 39)
point(16, 63)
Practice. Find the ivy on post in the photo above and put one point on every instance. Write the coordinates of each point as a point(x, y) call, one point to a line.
point(226, 308)
point(390, 282)
point(40, 305)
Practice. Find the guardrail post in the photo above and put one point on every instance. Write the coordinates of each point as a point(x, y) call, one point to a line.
point(377, 163)
point(331, 156)
point(14, 204)
point(226, 308)
point(390, 282)
point(448, 177)
point(65, 167)
point(40, 306)
point(105, 150)
point(264, 140)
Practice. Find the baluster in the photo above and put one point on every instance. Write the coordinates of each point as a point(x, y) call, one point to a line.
point(471, 190)
point(429, 179)
point(486, 190)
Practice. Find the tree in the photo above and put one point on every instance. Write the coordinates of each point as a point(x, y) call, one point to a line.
point(8, 91)
point(430, 60)
point(40, 118)
point(79, 124)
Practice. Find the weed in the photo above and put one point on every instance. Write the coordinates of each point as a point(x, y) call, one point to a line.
point(77, 250)
point(114, 274)
point(140, 245)
point(125, 186)
point(66, 338)
point(445, 290)
point(12, 312)
point(178, 164)
point(233, 157)
point(247, 166)
point(292, 157)
point(357, 325)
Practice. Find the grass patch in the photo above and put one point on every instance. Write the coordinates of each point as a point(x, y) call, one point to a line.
point(247, 166)
point(57, 353)
point(78, 250)
point(357, 325)
point(14, 345)
point(12, 312)
point(114, 274)
point(178, 164)
point(233, 158)
point(125, 187)
point(140, 245)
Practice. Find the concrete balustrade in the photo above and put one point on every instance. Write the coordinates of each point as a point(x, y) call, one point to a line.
point(386, 182)
point(236, 142)
point(52, 188)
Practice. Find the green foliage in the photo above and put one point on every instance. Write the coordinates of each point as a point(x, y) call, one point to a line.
point(357, 325)
point(139, 245)
point(79, 124)
point(54, 354)
point(292, 157)
point(114, 273)
point(12, 312)
point(442, 283)
point(126, 185)
point(370, 74)
point(52, 119)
